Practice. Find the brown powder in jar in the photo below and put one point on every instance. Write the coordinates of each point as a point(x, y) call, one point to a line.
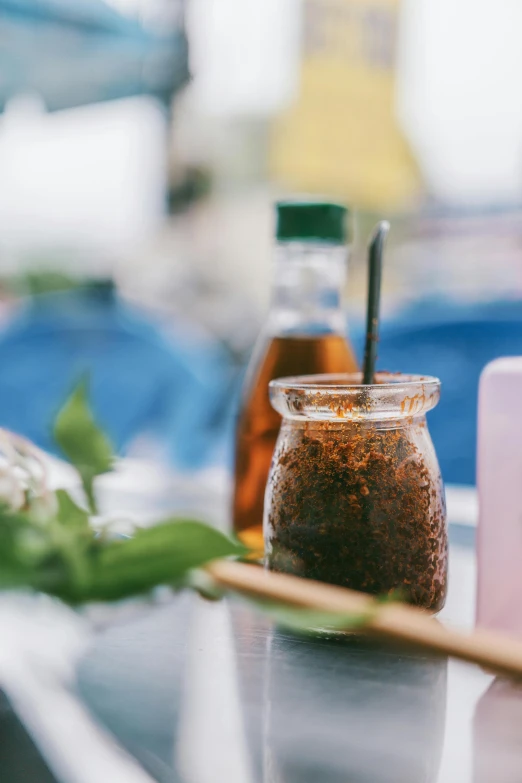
point(356, 506)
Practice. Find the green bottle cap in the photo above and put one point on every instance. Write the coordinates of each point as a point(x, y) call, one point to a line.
point(312, 221)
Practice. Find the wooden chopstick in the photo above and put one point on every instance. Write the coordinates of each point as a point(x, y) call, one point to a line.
point(396, 621)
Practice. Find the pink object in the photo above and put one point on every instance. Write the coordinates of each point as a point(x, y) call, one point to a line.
point(499, 604)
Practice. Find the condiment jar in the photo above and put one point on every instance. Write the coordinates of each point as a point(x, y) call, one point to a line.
point(355, 496)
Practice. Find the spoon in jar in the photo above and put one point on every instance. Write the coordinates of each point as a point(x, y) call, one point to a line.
point(375, 253)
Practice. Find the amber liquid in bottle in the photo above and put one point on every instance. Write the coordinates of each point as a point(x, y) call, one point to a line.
point(259, 423)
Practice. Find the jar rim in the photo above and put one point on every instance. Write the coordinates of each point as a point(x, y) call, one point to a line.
point(352, 381)
point(343, 397)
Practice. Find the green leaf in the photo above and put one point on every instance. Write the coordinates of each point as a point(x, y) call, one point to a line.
point(82, 441)
point(70, 514)
point(28, 557)
point(311, 621)
point(396, 595)
point(22, 543)
point(159, 555)
point(203, 584)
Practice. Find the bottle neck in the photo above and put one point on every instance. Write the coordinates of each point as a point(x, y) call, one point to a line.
point(307, 293)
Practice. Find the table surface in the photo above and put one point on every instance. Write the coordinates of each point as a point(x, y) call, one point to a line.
point(201, 691)
point(205, 692)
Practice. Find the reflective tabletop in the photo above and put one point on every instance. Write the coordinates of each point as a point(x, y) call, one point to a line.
point(201, 691)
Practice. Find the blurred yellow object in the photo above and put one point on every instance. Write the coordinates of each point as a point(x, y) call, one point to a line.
point(341, 135)
point(253, 540)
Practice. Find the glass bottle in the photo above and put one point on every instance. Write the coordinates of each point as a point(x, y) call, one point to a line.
point(355, 495)
point(305, 333)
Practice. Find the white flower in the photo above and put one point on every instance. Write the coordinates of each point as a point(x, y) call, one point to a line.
point(11, 488)
point(23, 476)
point(43, 506)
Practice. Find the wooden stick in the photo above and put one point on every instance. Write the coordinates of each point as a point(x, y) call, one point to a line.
point(397, 621)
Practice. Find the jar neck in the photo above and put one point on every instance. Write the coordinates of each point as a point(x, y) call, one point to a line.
point(308, 288)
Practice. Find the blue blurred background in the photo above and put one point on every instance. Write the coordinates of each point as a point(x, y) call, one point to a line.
point(142, 144)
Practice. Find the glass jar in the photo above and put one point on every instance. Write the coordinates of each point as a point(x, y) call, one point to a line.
point(355, 496)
